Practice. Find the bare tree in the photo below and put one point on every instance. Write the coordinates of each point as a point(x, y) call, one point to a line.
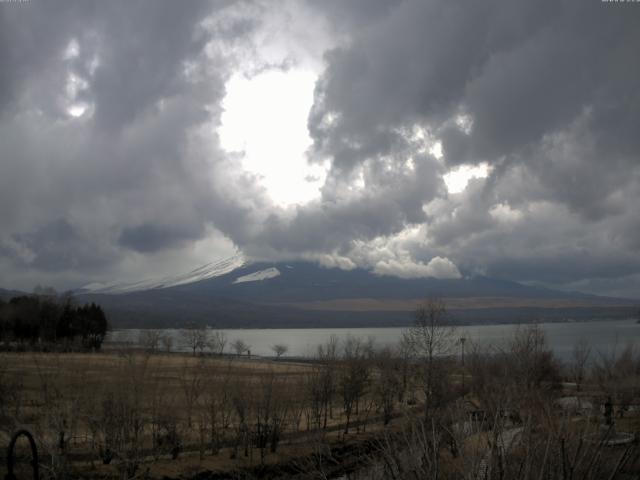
point(240, 400)
point(580, 357)
point(280, 349)
point(217, 405)
point(150, 340)
point(616, 374)
point(192, 382)
point(491, 378)
point(432, 333)
point(283, 410)
point(164, 419)
point(194, 337)
point(403, 357)
point(269, 412)
point(314, 397)
point(532, 360)
point(354, 377)
point(11, 396)
point(62, 398)
point(239, 346)
point(217, 341)
point(167, 342)
point(121, 421)
point(328, 357)
point(387, 384)
point(432, 336)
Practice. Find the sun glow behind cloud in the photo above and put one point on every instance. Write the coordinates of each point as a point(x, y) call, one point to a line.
point(457, 179)
point(265, 118)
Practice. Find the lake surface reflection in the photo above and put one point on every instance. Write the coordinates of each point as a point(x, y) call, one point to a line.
point(604, 336)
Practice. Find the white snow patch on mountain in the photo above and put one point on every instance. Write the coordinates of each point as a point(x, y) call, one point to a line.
point(210, 270)
point(259, 275)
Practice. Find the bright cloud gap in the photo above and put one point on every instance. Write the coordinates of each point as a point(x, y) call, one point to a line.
point(457, 179)
point(265, 118)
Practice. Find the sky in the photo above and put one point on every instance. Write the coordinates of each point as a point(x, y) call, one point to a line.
point(415, 138)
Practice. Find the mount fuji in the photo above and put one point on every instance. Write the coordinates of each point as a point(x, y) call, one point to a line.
point(236, 292)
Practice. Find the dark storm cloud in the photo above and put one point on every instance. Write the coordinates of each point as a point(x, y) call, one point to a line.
point(520, 70)
point(141, 170)
point(57, 246)
point(151, 238)
point(23, 50)
point(549, 92)
point(145, 60)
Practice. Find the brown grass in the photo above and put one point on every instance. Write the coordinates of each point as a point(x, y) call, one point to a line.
point(68, 388)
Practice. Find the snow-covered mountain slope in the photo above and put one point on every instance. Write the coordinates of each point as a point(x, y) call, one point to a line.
point(205, 272)
point(259, 275)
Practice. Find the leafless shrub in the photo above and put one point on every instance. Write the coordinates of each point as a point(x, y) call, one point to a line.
point(239, 346)
point(555, 448)
point(279, 349)
point(150, 340)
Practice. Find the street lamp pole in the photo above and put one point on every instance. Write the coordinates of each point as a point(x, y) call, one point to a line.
point(462, 340)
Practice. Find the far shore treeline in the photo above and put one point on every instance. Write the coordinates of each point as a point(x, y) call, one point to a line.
point(46, 320)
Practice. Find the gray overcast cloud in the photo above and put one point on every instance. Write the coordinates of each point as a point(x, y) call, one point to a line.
point(111, 165)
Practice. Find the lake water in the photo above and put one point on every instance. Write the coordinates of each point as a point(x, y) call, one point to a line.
point(603, 336)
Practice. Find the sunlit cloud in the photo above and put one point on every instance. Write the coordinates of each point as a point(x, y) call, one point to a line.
point(457, 179)
point(265, 119)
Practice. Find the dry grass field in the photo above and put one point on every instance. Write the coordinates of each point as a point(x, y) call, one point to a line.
point(168, 414)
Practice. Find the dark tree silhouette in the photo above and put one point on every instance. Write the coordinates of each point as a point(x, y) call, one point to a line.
point(46, 319)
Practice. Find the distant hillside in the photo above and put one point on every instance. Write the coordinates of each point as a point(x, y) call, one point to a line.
point(7, 294)
point(235, 293)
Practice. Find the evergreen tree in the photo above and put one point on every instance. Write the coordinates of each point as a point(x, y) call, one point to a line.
point(50, 319)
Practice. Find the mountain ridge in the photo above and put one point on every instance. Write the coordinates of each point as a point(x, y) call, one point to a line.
point(304, 294)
